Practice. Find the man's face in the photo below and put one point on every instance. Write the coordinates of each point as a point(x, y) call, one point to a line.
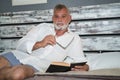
point(61, 19)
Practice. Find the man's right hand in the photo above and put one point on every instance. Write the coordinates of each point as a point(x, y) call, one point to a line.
point(48, 40)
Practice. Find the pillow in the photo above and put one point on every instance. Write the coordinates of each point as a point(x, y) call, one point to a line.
point(104, 60)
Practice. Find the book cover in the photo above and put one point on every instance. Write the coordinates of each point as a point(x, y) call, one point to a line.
point(62, 67)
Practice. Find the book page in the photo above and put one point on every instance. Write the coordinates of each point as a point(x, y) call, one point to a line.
point(60, 63)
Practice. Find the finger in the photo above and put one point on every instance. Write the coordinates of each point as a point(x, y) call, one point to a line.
point(74, 69)
point(78, 67)
point(51, 42)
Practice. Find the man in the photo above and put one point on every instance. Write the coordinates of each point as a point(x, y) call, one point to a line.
point(42, 46)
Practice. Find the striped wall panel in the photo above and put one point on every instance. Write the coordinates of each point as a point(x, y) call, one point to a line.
point(82, 28)
point(80, 12)
point(97, 25)
point(89, 43)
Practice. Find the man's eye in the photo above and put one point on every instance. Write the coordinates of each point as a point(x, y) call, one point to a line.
point(55, 16)
point(63, 16)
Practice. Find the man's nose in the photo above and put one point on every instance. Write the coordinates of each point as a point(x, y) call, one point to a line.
point(59, 19)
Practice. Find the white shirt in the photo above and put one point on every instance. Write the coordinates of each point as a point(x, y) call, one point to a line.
point(67, 49)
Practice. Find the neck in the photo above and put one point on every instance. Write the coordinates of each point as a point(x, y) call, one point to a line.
point(60, 32)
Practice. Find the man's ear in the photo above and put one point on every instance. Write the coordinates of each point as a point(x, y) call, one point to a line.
point(70, 18)
point(52, 18)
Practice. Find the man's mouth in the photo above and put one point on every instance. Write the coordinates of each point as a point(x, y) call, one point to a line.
point(59, 24)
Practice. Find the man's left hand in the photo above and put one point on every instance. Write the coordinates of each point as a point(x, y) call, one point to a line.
point(80, 68)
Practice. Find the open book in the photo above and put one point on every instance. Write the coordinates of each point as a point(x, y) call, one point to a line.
point(62, 66)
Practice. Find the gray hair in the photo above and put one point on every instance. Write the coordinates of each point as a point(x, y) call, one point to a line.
point(60, 6)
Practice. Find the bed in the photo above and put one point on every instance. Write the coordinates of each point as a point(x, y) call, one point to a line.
point(102, 74)
point(104, 66)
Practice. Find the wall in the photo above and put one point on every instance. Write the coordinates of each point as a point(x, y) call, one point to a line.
point(98, 26)
point(6, 5)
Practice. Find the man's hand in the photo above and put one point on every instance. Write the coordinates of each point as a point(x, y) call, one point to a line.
point(80, 68)
point(48, 40)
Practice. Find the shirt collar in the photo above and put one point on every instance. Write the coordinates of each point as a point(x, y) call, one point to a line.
point(65, 40)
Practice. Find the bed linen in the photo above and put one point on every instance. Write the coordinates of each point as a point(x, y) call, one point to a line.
point(104, 66)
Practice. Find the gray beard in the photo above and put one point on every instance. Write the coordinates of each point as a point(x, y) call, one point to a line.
point(60, 27)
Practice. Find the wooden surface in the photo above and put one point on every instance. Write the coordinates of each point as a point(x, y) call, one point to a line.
point(103, 74)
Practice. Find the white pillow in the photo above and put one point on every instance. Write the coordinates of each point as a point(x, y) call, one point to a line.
point(104, 60)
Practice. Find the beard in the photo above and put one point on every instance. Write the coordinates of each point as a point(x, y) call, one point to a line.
point(59, 27)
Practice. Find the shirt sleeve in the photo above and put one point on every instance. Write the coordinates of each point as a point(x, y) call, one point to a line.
point(37, 33)
point(26, 43)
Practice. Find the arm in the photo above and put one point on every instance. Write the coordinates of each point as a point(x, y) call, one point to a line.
point(26, 43)
point(35, 38)
point(48, 40)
